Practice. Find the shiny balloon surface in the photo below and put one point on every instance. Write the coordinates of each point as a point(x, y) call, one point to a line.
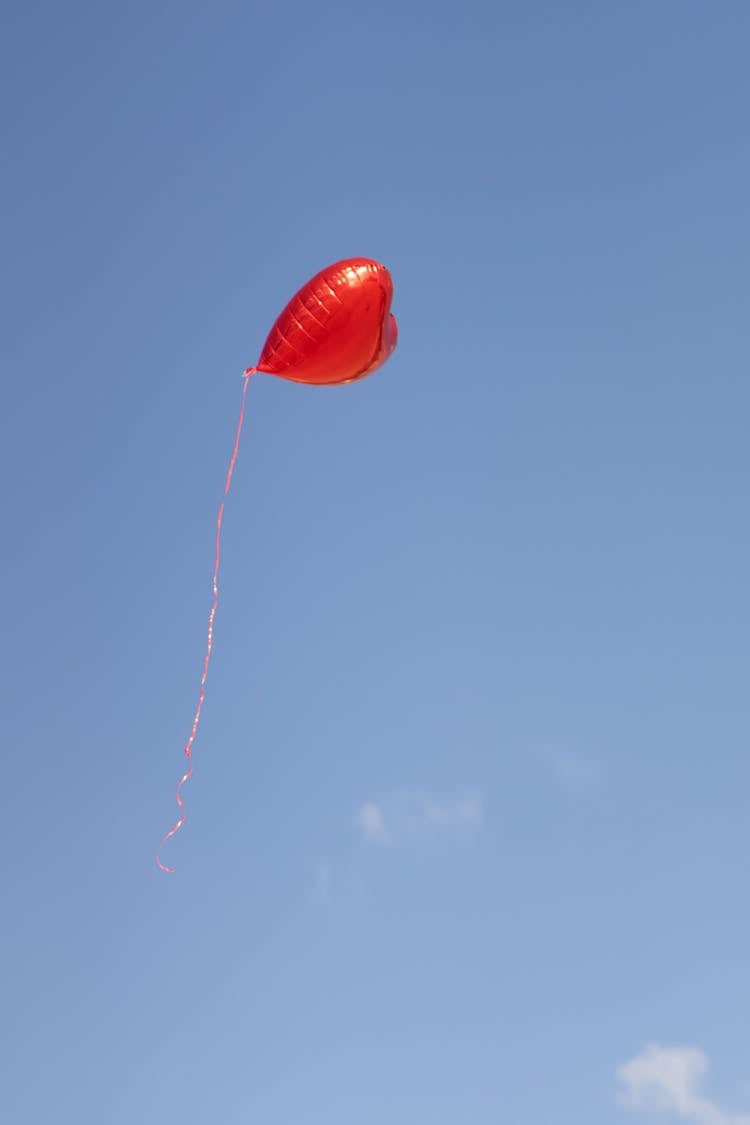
point(336, 329)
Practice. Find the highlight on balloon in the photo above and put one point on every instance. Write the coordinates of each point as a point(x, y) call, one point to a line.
point(336, 329)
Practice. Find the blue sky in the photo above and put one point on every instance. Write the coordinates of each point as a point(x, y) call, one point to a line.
point(467, 835)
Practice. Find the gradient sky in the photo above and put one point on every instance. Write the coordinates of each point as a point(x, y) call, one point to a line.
point(467, 839)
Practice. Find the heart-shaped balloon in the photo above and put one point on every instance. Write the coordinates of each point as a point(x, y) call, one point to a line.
point(337, 328)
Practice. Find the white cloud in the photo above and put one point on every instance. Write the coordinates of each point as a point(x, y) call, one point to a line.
point(566, 763)
point(667, 1080)
point(371, 820)
point(569, 765)
point(321, 888)
point(412, 814)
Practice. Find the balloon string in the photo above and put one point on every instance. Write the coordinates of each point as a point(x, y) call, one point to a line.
point(188, 749)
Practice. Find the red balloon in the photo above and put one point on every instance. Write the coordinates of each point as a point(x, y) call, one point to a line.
point(338, 328)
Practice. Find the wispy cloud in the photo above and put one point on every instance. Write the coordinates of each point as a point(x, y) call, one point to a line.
point(564, 761)
point(321, 885)
point(412, 814)
point(371, 820)
point(668, 1080)
point(574, 766)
